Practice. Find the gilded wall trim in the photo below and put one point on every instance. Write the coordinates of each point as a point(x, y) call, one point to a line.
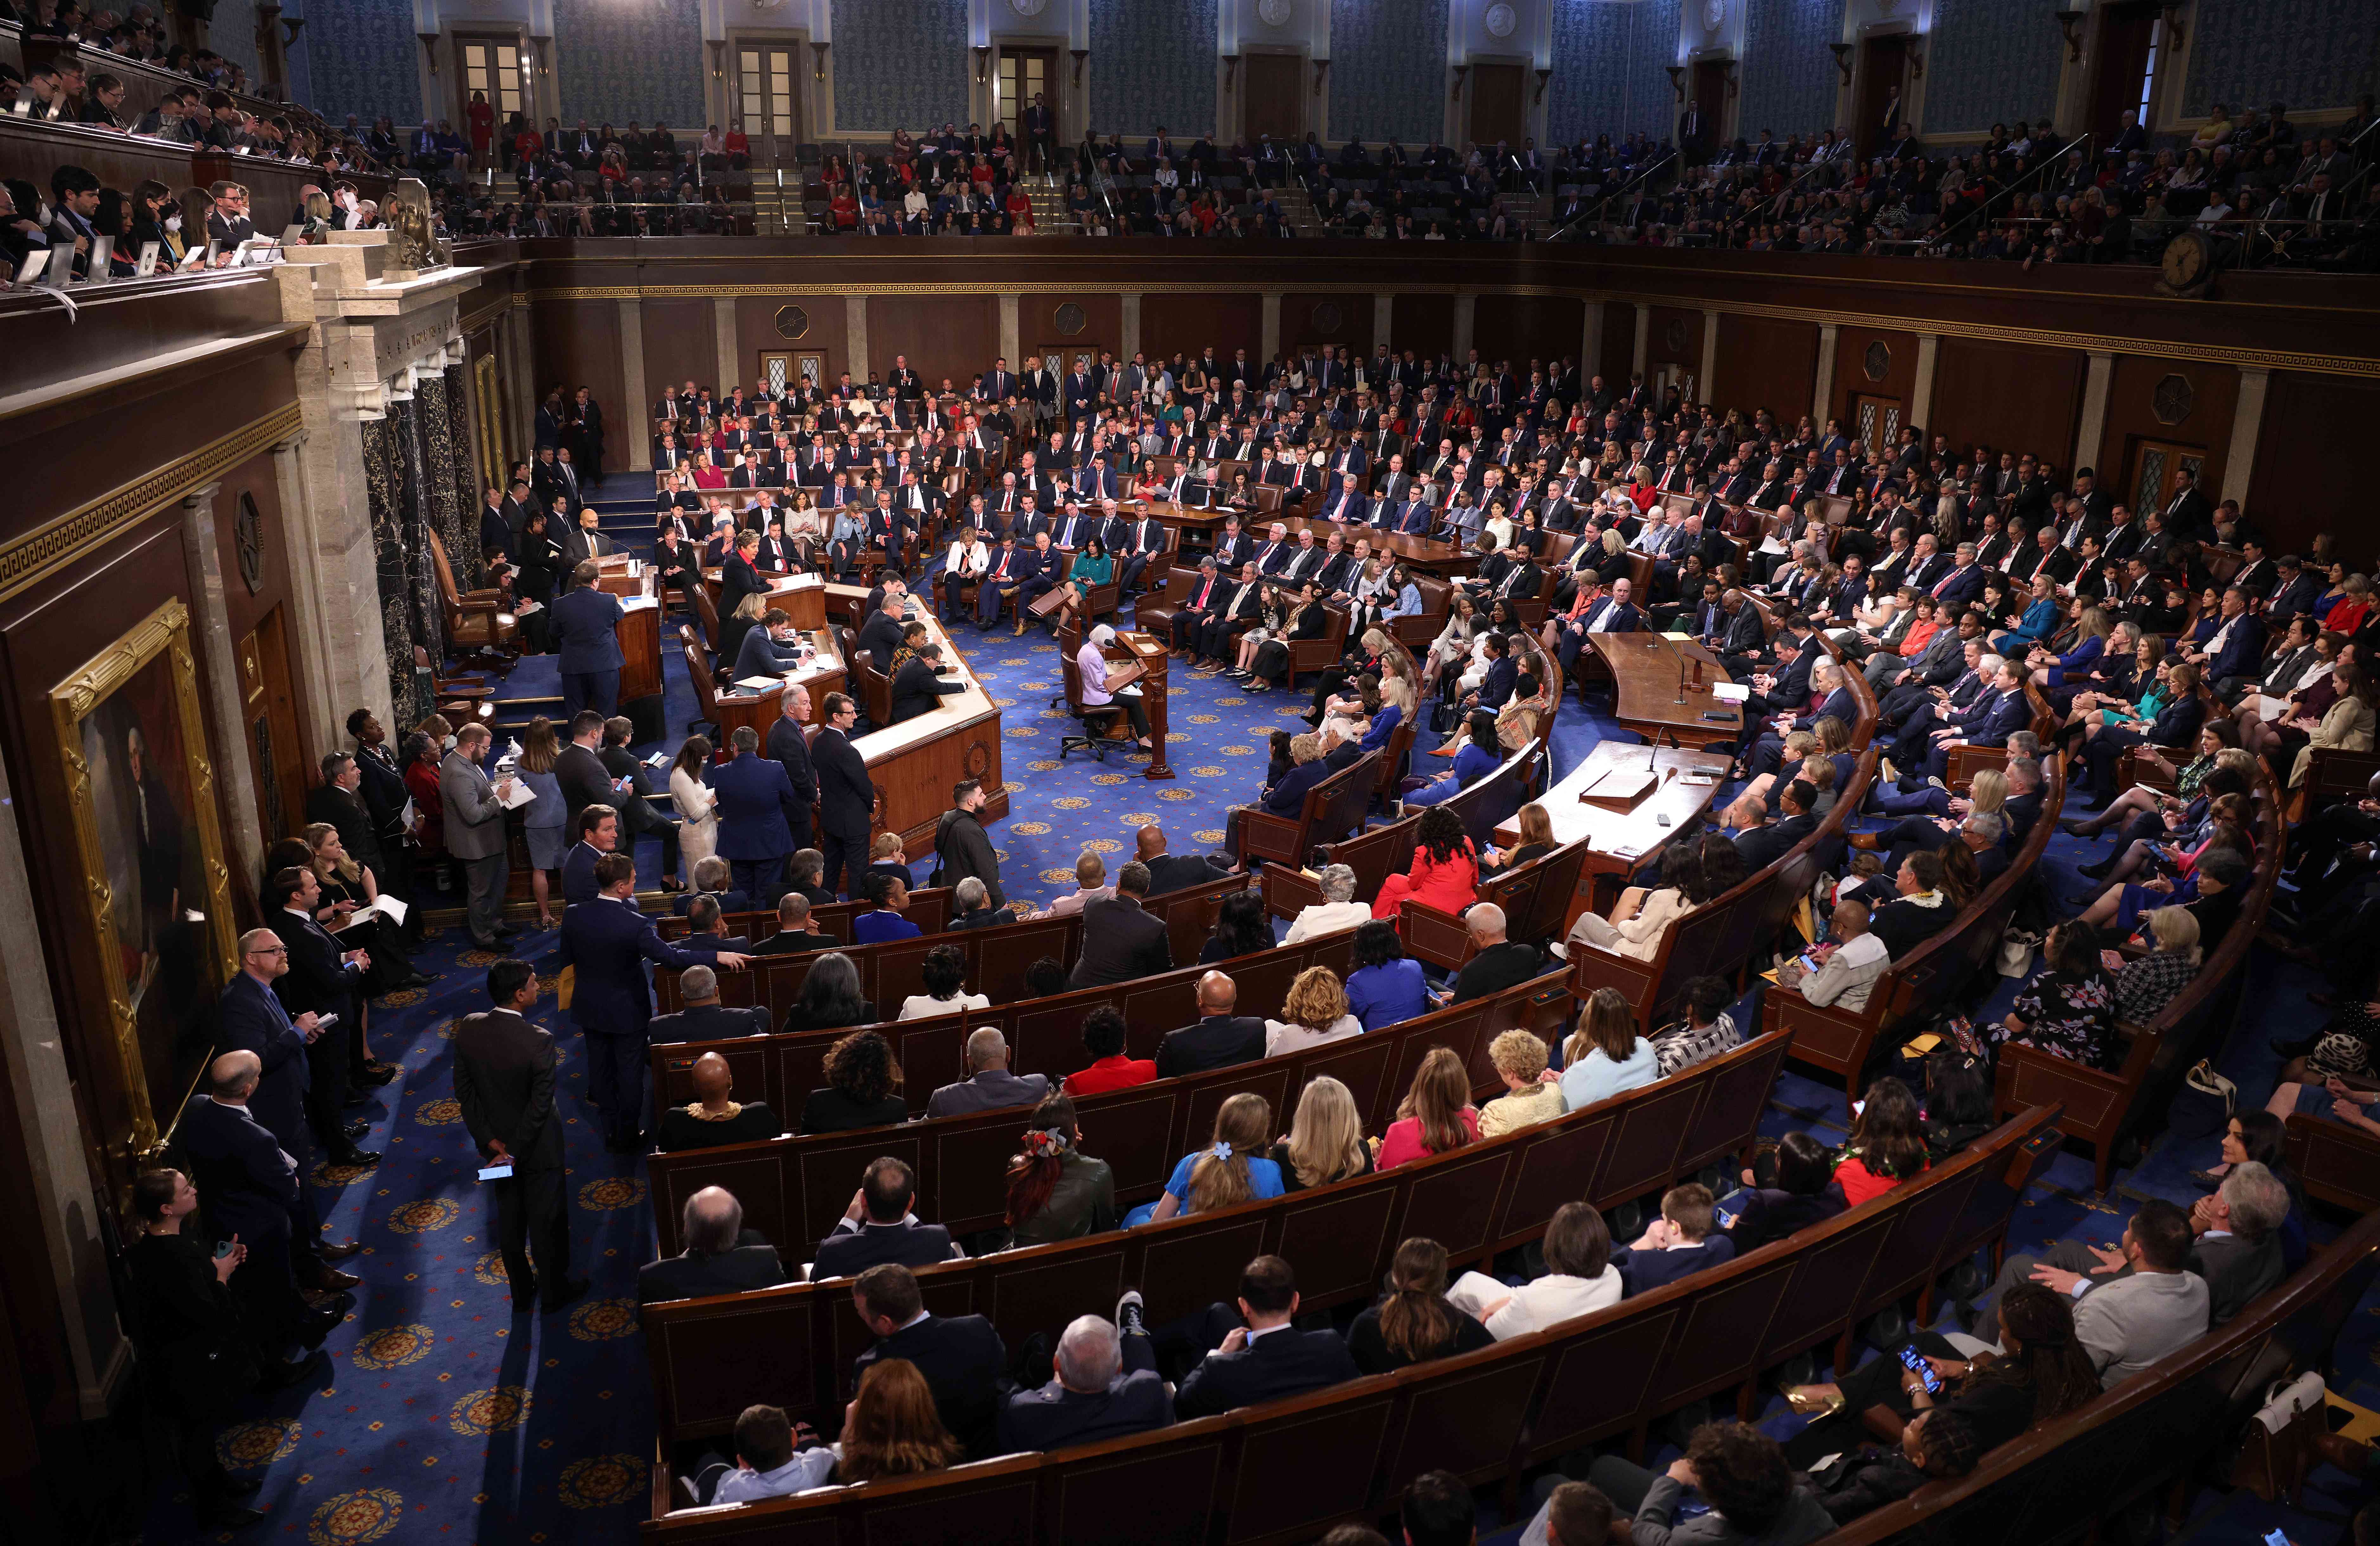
point(48, 548)
point(2218, 354)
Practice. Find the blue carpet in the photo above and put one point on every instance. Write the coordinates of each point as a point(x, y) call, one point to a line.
point(444, 1418)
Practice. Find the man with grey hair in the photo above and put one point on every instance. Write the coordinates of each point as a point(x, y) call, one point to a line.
point(1497, 963)
point(971, 906)
point(704, 1018)
point(2237, 1248)
point(1107, 1387)
point(720, 1254)
point(988, 1085)
point(1337, 910)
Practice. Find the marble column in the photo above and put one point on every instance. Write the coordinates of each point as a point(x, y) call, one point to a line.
point(1705, 383)
point(1590, 345)
point(723, 322)
point(1129, 327)
point(219, 682)
point(1643, 340)
point(1384, 318)
point(2094, 422)
point(1269, 333)
point(1012, 333)
point(456, 519)
point(1466, 315)
point(385, 467)
point(1823, 392)
point(632, 413)
point(1920, 400)
point(313, 600)
point(2247, 428)
point(854, 338)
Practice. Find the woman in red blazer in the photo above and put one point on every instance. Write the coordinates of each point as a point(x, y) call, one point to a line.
point(1445, 871)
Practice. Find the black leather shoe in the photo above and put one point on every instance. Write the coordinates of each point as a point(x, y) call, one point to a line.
point(339, 1252)
point(246, 1487)
point(359, 1159)
point(296, 1372)
point(573, 1290)
point(378, 1076)
point(356, 1129)
point(229, 1517)
point(330, 1279)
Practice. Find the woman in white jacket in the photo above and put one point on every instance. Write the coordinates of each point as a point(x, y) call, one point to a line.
point(1579, 1280)
point(698, 831)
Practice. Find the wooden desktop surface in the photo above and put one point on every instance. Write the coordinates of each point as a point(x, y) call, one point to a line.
point(1620, 840)
point(1645, 670)
point(915, 764)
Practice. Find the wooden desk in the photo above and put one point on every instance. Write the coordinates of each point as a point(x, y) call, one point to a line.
point(1152, 654)
point(640, 630)
point(802, 597)
point(1620, 840)
point(1446, 560)
point(1644, 668)
point(826, 672)
point(914, 763)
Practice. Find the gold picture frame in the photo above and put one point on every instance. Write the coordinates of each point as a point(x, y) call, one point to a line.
point(159, 959)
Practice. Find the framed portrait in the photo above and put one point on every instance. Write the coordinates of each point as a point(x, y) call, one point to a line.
point(157, 898)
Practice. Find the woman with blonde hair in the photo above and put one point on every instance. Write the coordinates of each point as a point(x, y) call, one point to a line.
point(2347, 725)
point(2146, 986)
point(1313, 1011)
point(1537, 826)
point(892, 1428)
point(1413, 1323)
point(1234, 1168)
point(1326, 1141)
point(543, 817)
point(342, 879)
point(1607, 1053)
point(1436, 1117)
point(1519, 1061)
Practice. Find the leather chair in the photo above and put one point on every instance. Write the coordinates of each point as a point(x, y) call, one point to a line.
point(478, 620)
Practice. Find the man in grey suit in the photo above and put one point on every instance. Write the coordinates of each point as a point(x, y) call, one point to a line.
point(475, 834)
point(988, 1085)
point(504, 1080)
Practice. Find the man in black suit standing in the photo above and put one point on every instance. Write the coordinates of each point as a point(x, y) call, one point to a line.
point(1219, 1040)
point(1265, 1358)
point(846, 794)
point(961, 1355)
point(789, 746)
point(882, 1226)
point(586, 635)
point(720, 1254)
point(339, 801)
point(504, 1081)
point(320, 981)
point(1121, 941)
point(251, 1182)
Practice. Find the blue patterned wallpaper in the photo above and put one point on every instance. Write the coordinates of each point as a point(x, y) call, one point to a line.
point(2306, 53)
point(1153, 64)
point(1991, 62)
point(1611, 60)
point(231, 32)
point(1789, 74)
point(1387, 69)
point(903, 63)
point(369, 70)
point(615, 62)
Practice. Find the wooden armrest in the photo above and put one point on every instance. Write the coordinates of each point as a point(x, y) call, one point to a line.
point(448, 690)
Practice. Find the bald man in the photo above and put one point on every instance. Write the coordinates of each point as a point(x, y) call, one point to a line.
point(252, 1192)
point(988, 1085)
point(1219, 1040)
point(1170, 873)
point(714, 1116)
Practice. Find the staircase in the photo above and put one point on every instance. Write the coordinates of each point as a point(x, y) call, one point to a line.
point(1050, 216)
point(1297, 209)
point(1530, 210)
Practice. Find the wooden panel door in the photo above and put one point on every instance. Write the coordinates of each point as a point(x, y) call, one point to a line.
point(2154, 469)
point(1710, 101)
point(496, 69)
point(1027, 73)
point(1499, 112)
point(1876, 421)
point(1883, 64)
point(768, 100)
point(268, 709)
point(1273, 97)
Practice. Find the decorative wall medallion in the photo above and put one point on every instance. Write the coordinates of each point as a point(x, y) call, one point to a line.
point(248, 526)
point(2173, 399)
point(1068, 320)
point(1327, 318)
point(793, 322)
point(1027, 8)
point(1500, 19)
point(1876, 362)
point(1714, 15)
point(977, 761)
point(1273, 12)
point(1675, 336)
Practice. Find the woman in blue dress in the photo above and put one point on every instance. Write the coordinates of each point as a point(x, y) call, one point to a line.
point(1231, 1169)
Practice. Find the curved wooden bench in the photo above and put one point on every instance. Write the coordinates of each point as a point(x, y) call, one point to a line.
point(1535, 899)
point(1918, 987)
point(1332, 809)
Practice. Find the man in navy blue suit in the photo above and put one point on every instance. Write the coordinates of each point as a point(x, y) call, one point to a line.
point(961, 1356)
point(1265, 1358)
point(2233, 656)
point(757, 813)
point(1768, 751)
point(251, 1184)
point(599, 833)
point(1993, 718)
point(1107, 1387)
point(1964, 580)
point(586, 635)
point(606, 943)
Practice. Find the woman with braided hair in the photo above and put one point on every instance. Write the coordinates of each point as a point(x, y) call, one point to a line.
point(1056, 1191)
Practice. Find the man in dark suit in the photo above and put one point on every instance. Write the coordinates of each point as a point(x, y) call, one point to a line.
point(846, 794)
point(250, 1180)
point(961, 1355)
point(1678, 1243)
point(580, 770)
point(504, 1081)
point(1764, 845)
point(918, 687)
point(338, 800)
point(586, 635)
point(1497, 962)
point(1219, 1040)
point(607, 943)
point(988, 1085)
point(756, 811)
point(704, 1018)
point(882, 1226)
point(1266, 1357)
point(1107, 1387)
point(790, 747)
point(321, 979)
point(793, 936)
point(1120, 941)
point(1171, 872)
point(638, 818)
point(720, 1254)
point(599, 833)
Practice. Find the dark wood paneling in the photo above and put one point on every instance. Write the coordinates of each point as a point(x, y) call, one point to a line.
point(1767, 363)
point(1899, 379)
point(756, 332)
point(942, 334)
point(1424, 324)
point(1618, 344)
point(1522, 327)
point(681, 344)
point(2134, 393)
point(2020, 399)
point(1172, 324)
point(1354, 331)
point(2307, 461)
point(1036, 324)
point(577, 342)
point(1677, 338)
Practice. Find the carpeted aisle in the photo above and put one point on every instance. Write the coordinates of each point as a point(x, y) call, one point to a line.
point(445, 1417)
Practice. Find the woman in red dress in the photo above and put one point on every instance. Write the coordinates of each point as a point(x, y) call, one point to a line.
point(484, 126)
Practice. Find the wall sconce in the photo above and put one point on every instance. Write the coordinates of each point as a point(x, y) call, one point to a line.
point(1231, 69)
point(1916, 62)
point(429, 47)
point(1460, 71)
point(1678, 80)
point(2174, 33)
point(1078, 56)
point(2068, 23)
point(818, 57)
point(539, 44)
point(1322, 73)
point(717, 51)
point(1843, 51)
point(1543, 75)
point(982, 65)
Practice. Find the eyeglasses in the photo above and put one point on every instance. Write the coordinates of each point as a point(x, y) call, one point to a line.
point(277, 950)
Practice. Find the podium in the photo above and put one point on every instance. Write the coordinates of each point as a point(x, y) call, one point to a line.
point(1146, 658)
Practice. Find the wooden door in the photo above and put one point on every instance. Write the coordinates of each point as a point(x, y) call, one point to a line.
point(268, 709)
point(494, 67)
point(1710, 101)
point(1498, 112)
point(767, 101)
point(1876, 421)
point(2128, 37)
point(1273, 97)
point(2152, 470)
point(1027, 73)
point(1883, 64)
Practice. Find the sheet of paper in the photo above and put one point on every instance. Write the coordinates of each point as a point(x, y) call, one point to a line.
point(1730, 692)
point(639, 603)
point(522, 793)
point(757, 684)
point(388, 907)
point(406, 817)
